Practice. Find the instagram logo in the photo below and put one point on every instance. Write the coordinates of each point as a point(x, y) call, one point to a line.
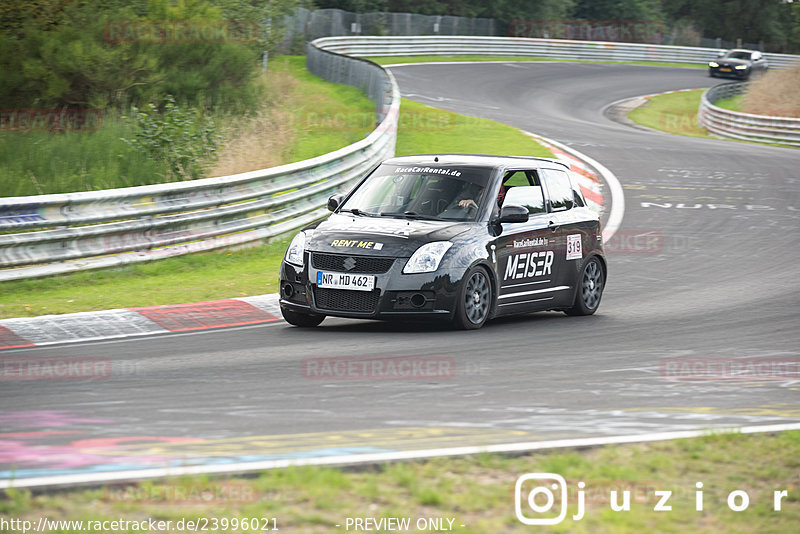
point(540, 499)
point(544, 498)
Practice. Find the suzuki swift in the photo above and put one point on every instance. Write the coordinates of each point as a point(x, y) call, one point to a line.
point(463, 238)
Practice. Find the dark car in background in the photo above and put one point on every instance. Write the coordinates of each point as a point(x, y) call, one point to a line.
point(738, 63)
point(459, 237)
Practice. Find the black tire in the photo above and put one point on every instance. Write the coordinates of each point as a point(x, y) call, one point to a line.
point(474, 300)
point(711, 74)
point(304, 320)
point(590, 289)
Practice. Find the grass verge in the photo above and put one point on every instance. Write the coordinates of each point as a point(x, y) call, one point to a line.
point(775, 93)
point(301, 116)
point(476, 491)
point(40, 163)
point(424, 130)
point(674, 113)
point(218, 275)
point(391, 60)
point(326, 115)
point(190, 278)
point(733, 103)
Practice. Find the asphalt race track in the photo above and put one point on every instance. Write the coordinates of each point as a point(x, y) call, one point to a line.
point(704, 266)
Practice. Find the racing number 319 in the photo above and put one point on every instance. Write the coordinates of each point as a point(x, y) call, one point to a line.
point(574, 250)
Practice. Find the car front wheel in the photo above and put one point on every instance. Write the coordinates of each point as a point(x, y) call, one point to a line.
point(590, 289)
point(306, 320)
point(474, 301)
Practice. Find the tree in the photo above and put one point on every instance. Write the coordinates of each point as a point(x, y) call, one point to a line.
point(629, 10)
point(99, 53)
point(356, 6)
point(770, 21)
point(58, 57)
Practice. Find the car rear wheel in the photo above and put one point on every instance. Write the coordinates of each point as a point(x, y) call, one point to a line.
point(306, 320)
point(590, 290)
point(474, 301)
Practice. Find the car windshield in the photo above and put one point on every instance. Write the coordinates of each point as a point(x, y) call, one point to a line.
point(436, 192)
point(737, 54)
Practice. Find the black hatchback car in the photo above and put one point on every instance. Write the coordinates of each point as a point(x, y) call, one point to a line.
point(459, 237)
point(738, 63)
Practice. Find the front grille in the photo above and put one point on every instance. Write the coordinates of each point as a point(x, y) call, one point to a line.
point(357, 264)
point(346, 300)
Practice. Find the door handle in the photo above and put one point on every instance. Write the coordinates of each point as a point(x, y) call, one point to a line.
point(552, 226)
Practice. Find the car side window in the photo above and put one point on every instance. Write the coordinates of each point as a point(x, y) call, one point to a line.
point(515, 179)
point(577, 194)
point(523, 188)
point(528, 196)
point(559, 189)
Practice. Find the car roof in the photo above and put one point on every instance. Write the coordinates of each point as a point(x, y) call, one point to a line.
point(478, 160)
point(741, 50)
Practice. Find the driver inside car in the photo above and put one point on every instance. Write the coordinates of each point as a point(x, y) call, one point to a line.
point(469, 203)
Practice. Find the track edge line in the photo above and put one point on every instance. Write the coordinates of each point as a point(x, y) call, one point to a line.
point(374, 458)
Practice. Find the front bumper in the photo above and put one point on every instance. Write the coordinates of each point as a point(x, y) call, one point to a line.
point(733, 73)
point(395, 294)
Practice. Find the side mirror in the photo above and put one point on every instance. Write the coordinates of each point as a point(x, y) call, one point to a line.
point(513, 213)
point(334, 201)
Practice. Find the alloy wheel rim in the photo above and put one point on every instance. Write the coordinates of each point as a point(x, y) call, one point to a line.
point(592, 285)
point(476, 302)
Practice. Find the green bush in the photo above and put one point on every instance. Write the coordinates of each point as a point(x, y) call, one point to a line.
point(57, 54)
point(184, 139)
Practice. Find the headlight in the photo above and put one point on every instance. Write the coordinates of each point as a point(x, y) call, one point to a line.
point(296, 250)
point(713, 64)
point(740, 67)
point(427, 257)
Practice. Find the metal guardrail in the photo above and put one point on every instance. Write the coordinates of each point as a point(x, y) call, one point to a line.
point(514, 46)
point(744, 126)
point(76, 231)
point(717, 120)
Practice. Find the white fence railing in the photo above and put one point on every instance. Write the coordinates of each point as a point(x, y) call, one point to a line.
point(516, 46)
point(75, 231)
point(745, 126)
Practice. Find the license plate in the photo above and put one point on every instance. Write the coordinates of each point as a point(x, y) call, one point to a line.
point(723, 69)
point(356, 282)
